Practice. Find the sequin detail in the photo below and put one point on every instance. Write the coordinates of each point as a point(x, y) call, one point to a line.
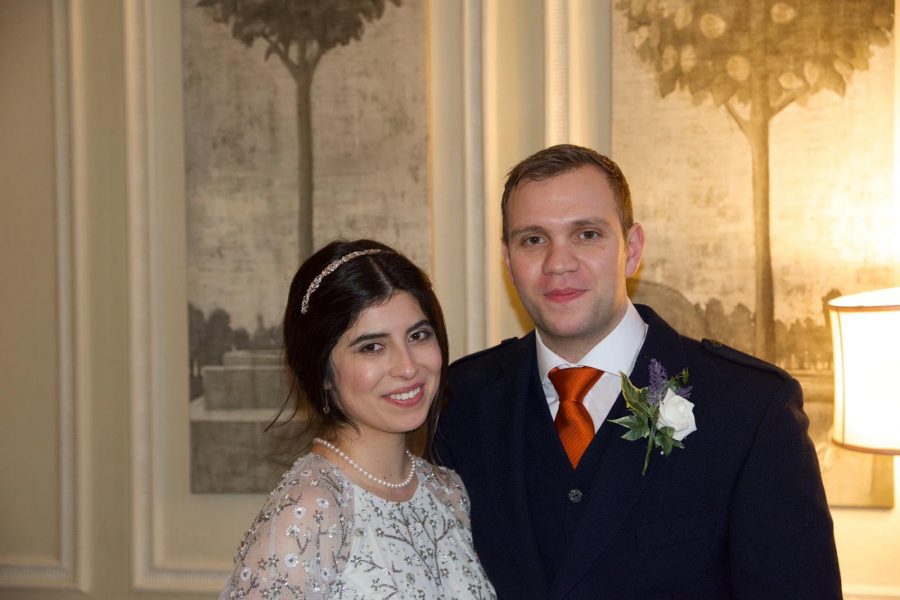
point(321, 536)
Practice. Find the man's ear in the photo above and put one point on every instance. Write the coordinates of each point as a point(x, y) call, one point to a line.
point(634, 249)
point(506, 256)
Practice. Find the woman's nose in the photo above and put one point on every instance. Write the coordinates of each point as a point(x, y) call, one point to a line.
point(404, 364)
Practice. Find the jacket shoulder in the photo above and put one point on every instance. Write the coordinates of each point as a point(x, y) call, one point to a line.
point(482, 355)
point(719, 350)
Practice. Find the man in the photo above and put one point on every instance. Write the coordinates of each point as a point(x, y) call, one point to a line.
point(739, 512)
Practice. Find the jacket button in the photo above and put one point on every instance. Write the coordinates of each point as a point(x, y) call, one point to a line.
point(575, 495)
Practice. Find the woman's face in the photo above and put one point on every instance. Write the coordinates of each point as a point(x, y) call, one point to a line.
point(387, 367)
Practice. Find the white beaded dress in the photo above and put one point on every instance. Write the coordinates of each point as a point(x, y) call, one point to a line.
point(321, 536)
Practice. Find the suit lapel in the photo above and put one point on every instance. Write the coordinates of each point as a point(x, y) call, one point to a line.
point(504, 404)
point(618, 483)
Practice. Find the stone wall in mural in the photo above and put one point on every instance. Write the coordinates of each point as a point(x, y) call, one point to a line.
point(297, 131)
point(757, 138)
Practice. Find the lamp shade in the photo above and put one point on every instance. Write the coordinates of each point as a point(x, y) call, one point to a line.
point(865, 330)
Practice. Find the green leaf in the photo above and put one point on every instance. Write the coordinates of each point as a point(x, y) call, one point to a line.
point(632, 435)
point(642, 409)
point(665, 442)
point(631, 421)
point(629, 391)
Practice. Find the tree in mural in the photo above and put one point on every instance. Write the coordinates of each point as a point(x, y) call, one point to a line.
point(299, 33)
point(754, 58)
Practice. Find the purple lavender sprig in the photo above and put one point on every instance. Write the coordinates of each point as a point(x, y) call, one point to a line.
point(659, 383)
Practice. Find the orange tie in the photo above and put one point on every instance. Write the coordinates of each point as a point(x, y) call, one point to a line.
point(573, 423)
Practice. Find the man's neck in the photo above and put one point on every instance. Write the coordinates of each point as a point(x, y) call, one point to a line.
point(573, 348)
point(570, 349)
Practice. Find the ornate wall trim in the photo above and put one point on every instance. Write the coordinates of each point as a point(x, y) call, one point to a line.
point(475, 217)
point(556, 71)
point(67, 570)
point(150, 569)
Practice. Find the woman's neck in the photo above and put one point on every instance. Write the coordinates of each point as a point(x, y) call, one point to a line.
point(382, 455)
point(380, 458)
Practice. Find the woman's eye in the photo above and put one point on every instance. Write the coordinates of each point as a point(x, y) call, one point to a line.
point(369, 348)
point(418, 336)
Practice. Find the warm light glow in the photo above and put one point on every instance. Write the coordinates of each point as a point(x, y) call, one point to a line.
point(865, 329)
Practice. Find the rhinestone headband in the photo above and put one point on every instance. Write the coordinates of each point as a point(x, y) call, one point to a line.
point(331, 268)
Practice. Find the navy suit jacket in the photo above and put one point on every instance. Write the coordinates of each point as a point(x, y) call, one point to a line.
point(740, 512)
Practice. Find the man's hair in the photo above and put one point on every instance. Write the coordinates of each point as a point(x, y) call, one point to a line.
point(560, 159)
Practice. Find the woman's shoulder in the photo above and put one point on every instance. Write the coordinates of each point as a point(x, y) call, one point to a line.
point(311, 483)
point(311, 493)
point(439, 475)
point(301, 535)
point(446, 484)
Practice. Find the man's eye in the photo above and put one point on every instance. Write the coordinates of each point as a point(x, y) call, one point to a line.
point(531, 240)
point(591, 235)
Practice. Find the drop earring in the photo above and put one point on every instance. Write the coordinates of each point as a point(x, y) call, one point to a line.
point(326, 409)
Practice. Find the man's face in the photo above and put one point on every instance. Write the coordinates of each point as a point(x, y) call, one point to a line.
point(569, 259)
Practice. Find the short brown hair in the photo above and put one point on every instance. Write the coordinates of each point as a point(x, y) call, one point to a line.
point(560, 159)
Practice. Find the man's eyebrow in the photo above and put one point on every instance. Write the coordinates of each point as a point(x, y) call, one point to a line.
point(526, 229)
point(592, 221)
point(589, 222)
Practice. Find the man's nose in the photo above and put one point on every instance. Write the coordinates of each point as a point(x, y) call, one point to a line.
point(560, 258)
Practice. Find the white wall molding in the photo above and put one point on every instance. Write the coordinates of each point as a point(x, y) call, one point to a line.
point(66, 570)
point(151, 570)
point(556, 71)
point(456, 131)
point(577, 63)
point(475, 221)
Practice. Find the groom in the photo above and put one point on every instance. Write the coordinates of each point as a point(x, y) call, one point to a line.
point(560, 507)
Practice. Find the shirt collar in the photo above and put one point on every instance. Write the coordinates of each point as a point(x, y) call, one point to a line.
point(613, 354)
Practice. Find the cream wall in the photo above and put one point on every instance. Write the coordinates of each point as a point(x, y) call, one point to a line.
point(93, 434)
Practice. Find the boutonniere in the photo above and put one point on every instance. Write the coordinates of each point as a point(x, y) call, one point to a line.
point(660, 412)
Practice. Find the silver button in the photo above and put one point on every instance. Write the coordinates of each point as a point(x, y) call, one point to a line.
point(575, 495)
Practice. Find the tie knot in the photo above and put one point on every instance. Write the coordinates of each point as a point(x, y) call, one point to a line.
point(573, 384)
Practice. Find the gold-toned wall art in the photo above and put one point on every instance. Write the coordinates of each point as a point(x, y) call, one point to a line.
point(304, 121)
point(758, 140)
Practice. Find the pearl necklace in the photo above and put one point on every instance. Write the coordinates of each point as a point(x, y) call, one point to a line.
point(374, 479)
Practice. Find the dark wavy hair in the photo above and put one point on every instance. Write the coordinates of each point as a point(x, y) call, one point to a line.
point(333, 308)
point(560, 159)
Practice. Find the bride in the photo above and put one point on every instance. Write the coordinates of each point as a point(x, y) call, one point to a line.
point(359, 516)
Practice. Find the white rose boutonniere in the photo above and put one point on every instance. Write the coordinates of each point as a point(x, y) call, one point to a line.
point(678, 413)
point(660, 412)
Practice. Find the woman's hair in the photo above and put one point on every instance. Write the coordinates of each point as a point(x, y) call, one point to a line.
point(326, 298)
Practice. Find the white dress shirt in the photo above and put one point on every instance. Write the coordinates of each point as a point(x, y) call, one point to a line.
point(615, 353)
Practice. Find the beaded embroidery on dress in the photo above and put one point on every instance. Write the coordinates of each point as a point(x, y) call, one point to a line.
point(321, 536)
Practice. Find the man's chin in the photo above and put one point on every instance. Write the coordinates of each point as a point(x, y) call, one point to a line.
point(564, 332)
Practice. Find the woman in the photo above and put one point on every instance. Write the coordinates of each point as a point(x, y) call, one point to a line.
point(359, 516)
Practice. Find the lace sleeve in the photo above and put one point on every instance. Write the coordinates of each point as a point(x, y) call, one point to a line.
point(300, 541)
point(447, 486)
